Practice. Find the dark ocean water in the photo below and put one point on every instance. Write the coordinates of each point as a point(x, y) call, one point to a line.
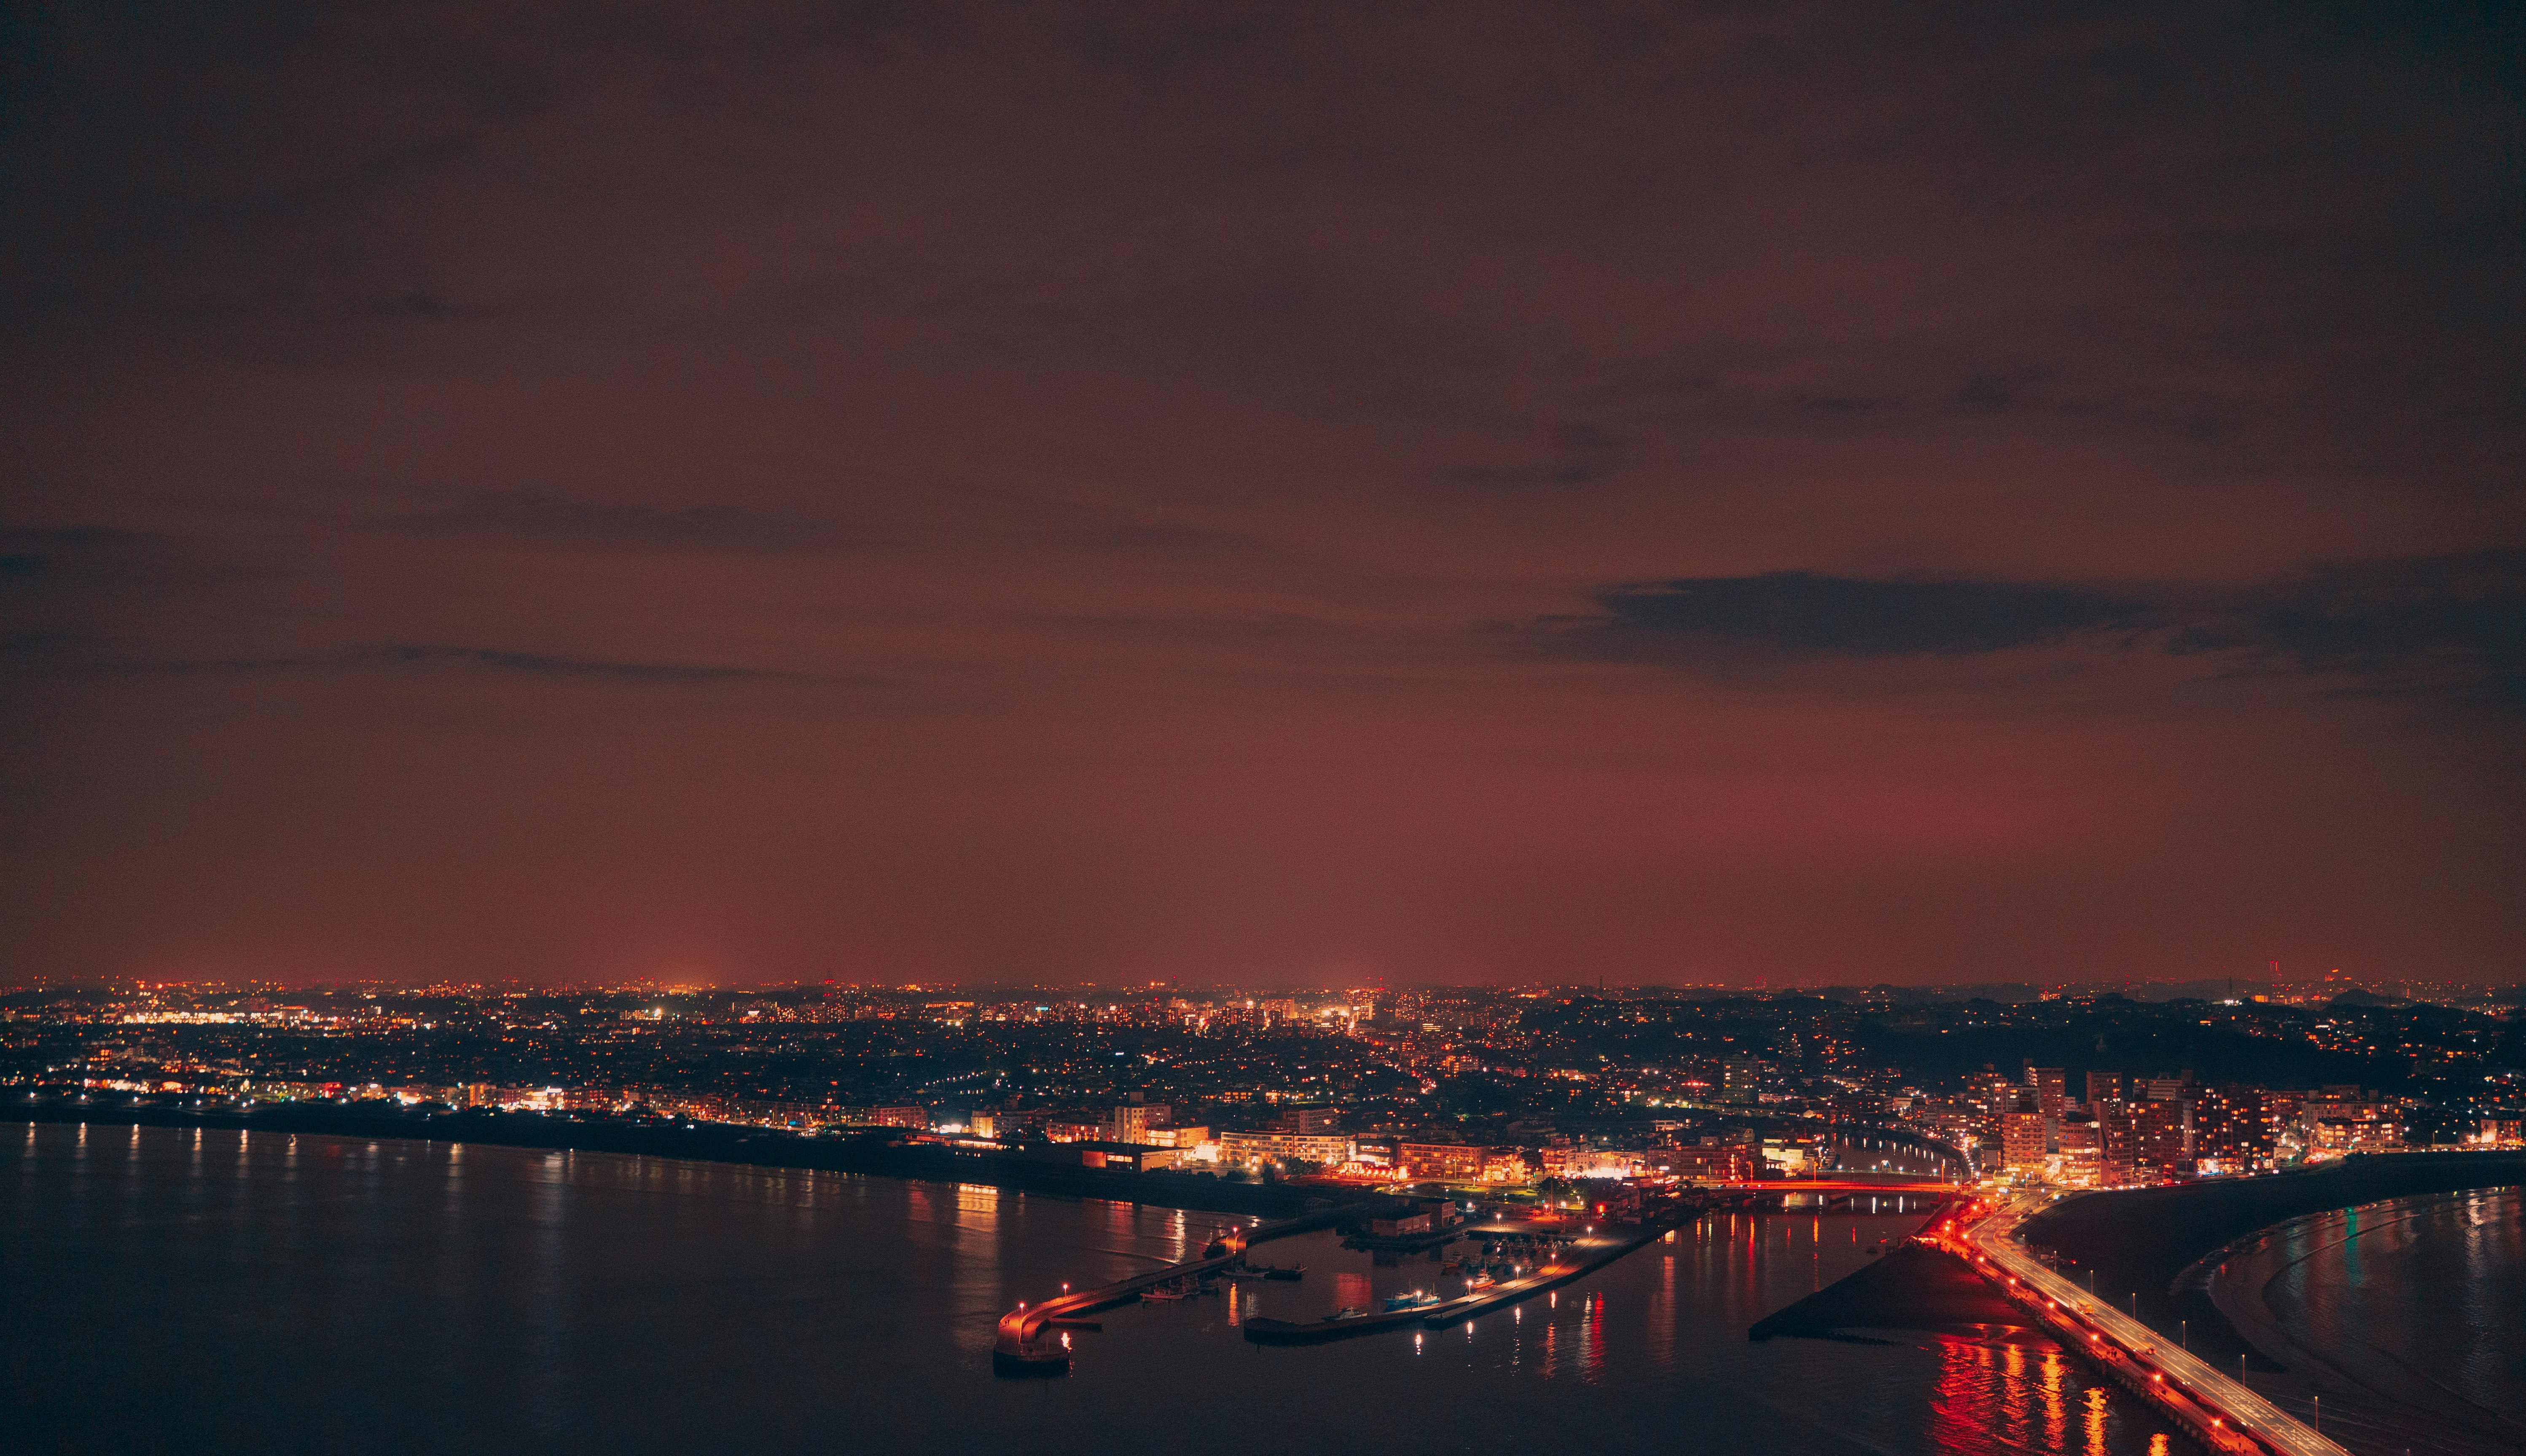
point(2420, 1301)
point(167, 1290)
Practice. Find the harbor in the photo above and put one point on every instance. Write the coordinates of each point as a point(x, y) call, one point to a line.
point(1516, 1259)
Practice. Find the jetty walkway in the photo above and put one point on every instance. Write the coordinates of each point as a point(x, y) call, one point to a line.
point(1584, 1257)
point(1032, 1339)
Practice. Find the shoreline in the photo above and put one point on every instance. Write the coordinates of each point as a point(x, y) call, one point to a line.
point(2240, 1283)
point(2158, 1244)
point(712, 1142)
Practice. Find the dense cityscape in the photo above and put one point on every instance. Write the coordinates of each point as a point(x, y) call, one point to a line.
point(1277, 729)
point(1506, 1088)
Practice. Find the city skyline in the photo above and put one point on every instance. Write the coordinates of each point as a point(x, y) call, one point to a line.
point(779, 724)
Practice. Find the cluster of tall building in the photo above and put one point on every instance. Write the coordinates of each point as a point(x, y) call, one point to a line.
point(2136, 1130)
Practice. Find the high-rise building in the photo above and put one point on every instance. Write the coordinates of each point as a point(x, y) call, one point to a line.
point(1741, 1081)
point(2144, 1142)
point(2081, 1156)
point(1990, 1095)
point(2050, 1084)
point(2024, 1138)
point(2104, 1086)
point(2051, 1090)
point(2230, 1132)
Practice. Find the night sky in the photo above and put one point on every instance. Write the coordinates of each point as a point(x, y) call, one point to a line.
point(1292, 495)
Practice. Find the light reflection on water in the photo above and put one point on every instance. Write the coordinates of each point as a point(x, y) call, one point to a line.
point(2342, 1284)
point(279, 1293)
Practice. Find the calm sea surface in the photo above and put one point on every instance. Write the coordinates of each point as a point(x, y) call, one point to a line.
point(2421, 1300)
point(166, 1290)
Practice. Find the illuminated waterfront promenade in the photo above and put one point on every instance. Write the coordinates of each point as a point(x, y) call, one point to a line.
point(2221, 1412)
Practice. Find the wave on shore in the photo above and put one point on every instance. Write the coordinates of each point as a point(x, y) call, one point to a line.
point(2409, 1315)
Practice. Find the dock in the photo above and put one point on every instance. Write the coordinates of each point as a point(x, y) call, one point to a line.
point(1034, 1340)
point(1467, 1307)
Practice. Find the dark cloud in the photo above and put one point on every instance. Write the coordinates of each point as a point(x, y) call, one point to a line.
point(2453, 624)
point(78, 557)
point(552, 521)
point(1791, 617)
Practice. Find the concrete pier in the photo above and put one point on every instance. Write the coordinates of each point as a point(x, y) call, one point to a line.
point(1031, 1338)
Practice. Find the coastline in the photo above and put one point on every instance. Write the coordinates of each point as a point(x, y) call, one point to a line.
point(2369, 1384)
point(2158, 1244)
point(712, 1142)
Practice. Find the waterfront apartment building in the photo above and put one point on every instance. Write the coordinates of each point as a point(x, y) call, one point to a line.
point(1133, 1121)
point(2230, 1132)
point(1459, 1162)
point(1243, 1148)
point(1121, 1156)
point(1707, 1164)
point(2344, 1120)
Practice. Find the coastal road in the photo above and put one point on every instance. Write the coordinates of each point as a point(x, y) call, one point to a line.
point(2238, 1418)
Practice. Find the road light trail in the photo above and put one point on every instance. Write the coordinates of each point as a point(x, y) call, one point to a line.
point(2238, 1418)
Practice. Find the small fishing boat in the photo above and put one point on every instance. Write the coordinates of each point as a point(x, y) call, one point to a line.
point(1417, 1299)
